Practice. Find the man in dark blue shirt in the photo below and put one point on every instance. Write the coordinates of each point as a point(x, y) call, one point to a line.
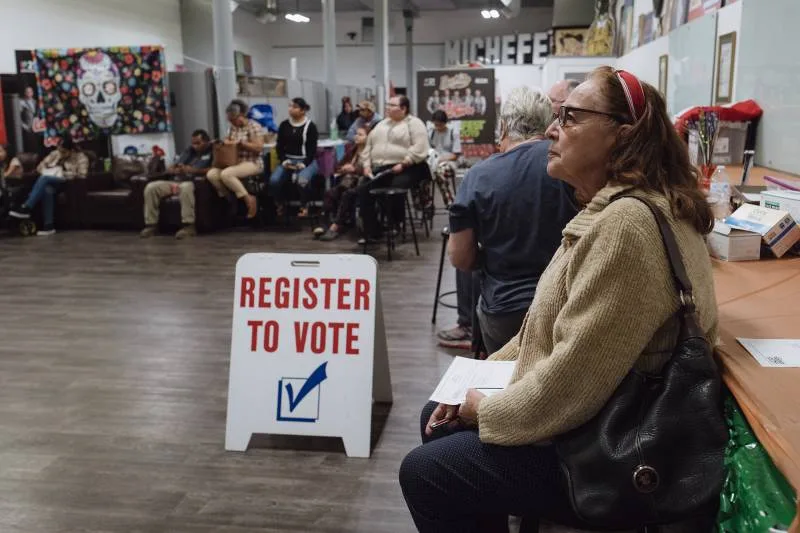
point(507, 217)
point(194, 161)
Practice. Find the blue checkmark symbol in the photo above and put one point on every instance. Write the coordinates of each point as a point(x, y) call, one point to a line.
point(317, 376)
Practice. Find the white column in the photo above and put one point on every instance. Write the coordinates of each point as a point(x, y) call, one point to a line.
point(381, 8)
point(329, 52)
point(411, 87)
point(223, 56)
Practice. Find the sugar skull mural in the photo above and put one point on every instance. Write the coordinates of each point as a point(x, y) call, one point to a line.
point(98, 87)
point(87, 93)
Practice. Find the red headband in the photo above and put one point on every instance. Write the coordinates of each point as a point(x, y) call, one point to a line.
point(634, 93)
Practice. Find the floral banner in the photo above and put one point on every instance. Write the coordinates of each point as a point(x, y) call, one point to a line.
point(89, 92)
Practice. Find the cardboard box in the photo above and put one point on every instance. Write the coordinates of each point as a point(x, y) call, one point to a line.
point(778, 229)
point(783, 201)
point(733, 244)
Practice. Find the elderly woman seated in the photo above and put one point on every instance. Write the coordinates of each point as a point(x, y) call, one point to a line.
point(606, 305)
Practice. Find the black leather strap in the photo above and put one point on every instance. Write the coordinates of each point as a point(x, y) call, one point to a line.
point(673, 252)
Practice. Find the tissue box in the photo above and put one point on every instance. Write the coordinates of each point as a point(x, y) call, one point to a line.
point(777, 228)
point(733, 244)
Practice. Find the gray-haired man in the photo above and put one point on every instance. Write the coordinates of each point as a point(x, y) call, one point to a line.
point(516, 211)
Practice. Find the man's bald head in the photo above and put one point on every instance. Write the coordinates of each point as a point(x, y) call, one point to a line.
point(560, 91)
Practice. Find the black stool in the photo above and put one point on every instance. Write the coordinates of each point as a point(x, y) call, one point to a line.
point(386, 197)
point(437, 298)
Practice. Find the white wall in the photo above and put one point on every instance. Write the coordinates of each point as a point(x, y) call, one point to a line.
point(32, 24)
point(355, 60)
point(730, 19)
point(252, 37)
point(643, 61)
point(355, 65)
point(432, 27)
point(769, 73)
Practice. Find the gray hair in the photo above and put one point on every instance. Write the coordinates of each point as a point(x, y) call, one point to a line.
point(526, 112)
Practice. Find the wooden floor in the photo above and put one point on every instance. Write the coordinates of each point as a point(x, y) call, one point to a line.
point(113, 384)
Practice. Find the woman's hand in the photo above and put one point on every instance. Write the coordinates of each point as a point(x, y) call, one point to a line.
point(442, 412)
point(348, 169)
point(468, 411)
point(398, 168)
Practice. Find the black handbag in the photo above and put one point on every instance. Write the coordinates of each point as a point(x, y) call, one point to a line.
point(654, 454)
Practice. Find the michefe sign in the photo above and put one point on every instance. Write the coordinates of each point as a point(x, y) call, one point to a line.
point(308, 349)
point(516, 49)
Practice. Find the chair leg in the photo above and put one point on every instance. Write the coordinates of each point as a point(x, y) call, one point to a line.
point(389, 225)
point(413, 229)
point(439, 279)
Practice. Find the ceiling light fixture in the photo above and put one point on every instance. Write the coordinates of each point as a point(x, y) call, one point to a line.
point(485, 13)
point(495, 14)
point(297, 17)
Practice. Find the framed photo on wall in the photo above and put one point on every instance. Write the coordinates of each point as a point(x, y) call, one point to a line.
point(726, 56)
point(663, 74)
point(569, 42)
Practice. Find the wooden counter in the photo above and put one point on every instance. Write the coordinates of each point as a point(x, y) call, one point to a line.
point(761, 299)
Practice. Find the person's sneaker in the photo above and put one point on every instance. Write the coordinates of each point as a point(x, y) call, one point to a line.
point(319, 231)
point(329, 236)
point(45, 231)
point(148, 231)
point(371, 240)
point(21, 212)
point(186, 232)
point(456, 345)
point(458, 333)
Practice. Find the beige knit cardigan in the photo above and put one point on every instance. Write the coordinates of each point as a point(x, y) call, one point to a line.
point(605, 304)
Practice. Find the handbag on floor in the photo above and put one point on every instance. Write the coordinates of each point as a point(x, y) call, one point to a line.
point(654, 454)
point(225, 155)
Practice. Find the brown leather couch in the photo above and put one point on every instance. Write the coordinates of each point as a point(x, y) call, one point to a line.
point(116, 199)
point(211, 212)
point(67, 215)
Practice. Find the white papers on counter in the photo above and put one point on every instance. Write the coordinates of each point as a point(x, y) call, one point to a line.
point(780, 353)
point(487, 376)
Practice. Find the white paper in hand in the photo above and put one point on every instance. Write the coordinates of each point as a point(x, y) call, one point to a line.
point(464, 374)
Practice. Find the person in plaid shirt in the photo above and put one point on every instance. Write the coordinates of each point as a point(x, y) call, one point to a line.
point(59, 166)
point(248, 136)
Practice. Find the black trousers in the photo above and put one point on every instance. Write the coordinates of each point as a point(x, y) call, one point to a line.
point(455, 483)
point(409, 178)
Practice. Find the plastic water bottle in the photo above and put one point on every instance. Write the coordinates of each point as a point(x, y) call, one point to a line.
point(721, 193)
point(334, 133)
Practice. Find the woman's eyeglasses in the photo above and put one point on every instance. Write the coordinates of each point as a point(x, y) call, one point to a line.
point(564, 112)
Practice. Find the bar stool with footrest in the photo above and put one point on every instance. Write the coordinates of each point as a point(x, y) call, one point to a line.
point(388, 198)
point(437, 298)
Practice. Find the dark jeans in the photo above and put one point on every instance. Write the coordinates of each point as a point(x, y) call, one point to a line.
point(410, 177)
point(498, 329)
point(46, 188)
point(455, 483)
point(467, 293)
point(340, 201)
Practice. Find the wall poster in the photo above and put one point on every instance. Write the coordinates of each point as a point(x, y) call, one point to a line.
point(467, 96)
point(29, 120)
point(89, 92)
